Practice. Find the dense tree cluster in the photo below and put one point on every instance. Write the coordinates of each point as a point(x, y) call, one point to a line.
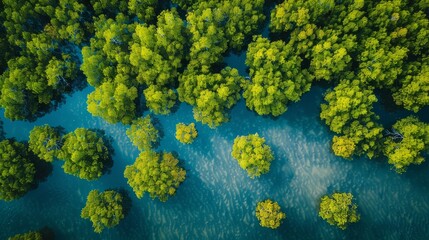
point(186, 133)
point(276, 77)
point(405, 143)
point(32, 235)
point(269, 214)
point(252, 154)
point(46, 142)
point(349, 113)
point(155, 173)
point(104, 209)
point(85, 154)
point(339, 210)
point(143, 134)
point(211, 94)
point(17, 171)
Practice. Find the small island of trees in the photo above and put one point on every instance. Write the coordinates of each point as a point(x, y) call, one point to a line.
point(269, 214)
point(252, 154)
point(186, 133)
point(104, 209)
point(339, 209)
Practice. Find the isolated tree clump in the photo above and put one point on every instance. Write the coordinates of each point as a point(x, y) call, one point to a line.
point(339, 210)
point(16, 170)
point(156, 173)
point(46, 142)
point(104, 209)
point(143, 134)
point(405, 143)
point(252, 154)
point(269, 214)
point(186, 133)
point(85, 154)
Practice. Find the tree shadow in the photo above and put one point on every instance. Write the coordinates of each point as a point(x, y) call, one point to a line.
point(157, 124)
point(43, 169)
point(47, 233)
point(108, 142)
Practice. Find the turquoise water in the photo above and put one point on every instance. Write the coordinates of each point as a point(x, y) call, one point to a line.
point(217, 200)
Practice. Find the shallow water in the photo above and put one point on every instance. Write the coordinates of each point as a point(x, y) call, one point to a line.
point(218, 200)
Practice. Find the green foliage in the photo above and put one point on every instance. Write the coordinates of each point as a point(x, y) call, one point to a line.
point(349, 112)
point(331, 55)
point(217, 25)
point(210, 94)
point(276, 77)
point(252, 154)
point(104, 209)
point(16, 170)
point(107, 56)
point(414, 92)
point(85, 154)
point(145, 10)
point(343, 146)
point(143, 133)
point(45, 142)
point(413, 141)
point(186, 133)
point(339, 210)
point(155, 173)
point(269, 214)
point(113, 102)
point(157, 53)
point(32, 235)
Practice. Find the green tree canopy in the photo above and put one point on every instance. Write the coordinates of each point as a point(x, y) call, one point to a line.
point(143, 134)
point(104, 209)
point(252, 154)
point(269, 214)
point(155, 173)
point(186, 133)
point(113, 102)
point(276, 77)
point(349, 112)
point(46, 142)
point(210, 94)
point(85, 154)
point(339, 210)
point(16, 170)
point(158, 53)
point(405, 143)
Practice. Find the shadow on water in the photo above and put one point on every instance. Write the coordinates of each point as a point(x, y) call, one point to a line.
point(47, 233)
point(108, 142)
point(158, 125)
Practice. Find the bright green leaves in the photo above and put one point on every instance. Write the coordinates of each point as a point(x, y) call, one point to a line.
point(113, 102)
point(104, 209)
point(269, 214)
point(157, 54)
point(16, 170)
point(45, 142)
point(414, 92)
point(405, 143)
point(349, 112)
point(143, 133)
point(339, 210)
point(380, 65)
point(85, 154)
point(252, 154)
point(186, 133)
point(343, 146)
point(276, 77)
point(210, 94)
point(155, 173)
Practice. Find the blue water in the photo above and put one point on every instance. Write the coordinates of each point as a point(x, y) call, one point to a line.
point(218, 199)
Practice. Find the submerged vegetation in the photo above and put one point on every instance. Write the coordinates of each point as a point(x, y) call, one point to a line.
point(152, 55)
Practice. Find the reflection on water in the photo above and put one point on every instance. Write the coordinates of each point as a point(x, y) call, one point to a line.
point(218, 199)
